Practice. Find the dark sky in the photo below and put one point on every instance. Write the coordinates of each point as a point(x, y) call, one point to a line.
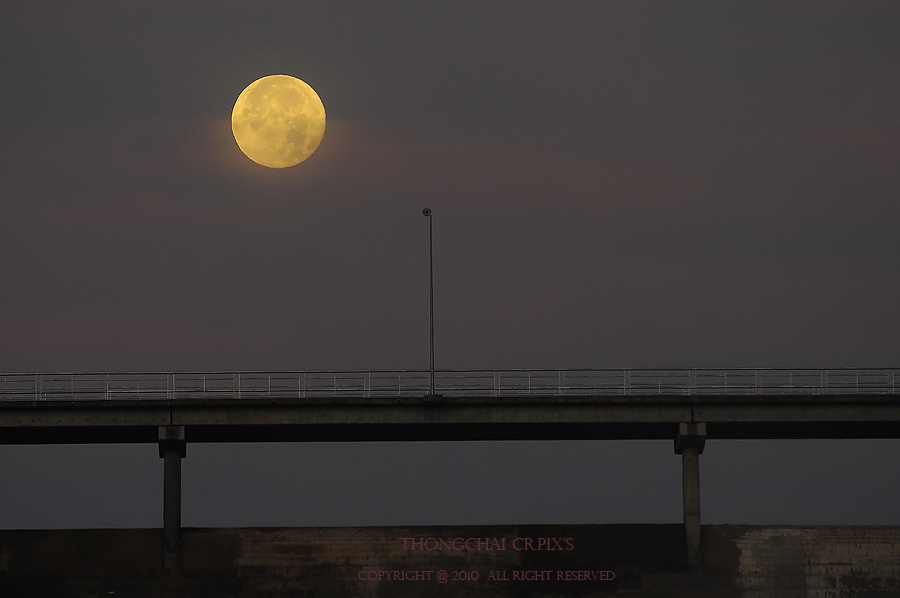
point(614, 184)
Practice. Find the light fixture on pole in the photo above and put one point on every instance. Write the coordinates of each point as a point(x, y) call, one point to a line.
point(427, 213)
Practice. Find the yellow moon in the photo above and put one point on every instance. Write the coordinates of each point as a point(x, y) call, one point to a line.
point(278, 121)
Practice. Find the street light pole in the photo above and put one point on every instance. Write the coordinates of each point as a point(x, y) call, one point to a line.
point(427, 213)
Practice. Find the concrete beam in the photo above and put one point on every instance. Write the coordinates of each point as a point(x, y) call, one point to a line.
point(454, 418)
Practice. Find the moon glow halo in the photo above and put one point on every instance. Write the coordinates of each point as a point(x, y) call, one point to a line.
point(278, 121)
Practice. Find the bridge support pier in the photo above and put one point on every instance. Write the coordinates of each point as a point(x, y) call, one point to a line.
point(689, 444)
point(172, 448)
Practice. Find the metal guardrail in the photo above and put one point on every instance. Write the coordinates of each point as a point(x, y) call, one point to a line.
point(451, 383)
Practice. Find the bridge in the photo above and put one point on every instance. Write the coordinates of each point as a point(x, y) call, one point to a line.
point(687, 406)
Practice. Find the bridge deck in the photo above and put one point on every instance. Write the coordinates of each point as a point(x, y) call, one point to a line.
point(528, 417)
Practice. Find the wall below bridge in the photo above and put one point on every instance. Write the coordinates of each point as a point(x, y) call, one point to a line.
point(527, 560)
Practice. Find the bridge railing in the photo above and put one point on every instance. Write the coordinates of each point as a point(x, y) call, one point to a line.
point(451, 383)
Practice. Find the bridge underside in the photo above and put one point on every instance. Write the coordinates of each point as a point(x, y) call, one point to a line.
point(451, 419)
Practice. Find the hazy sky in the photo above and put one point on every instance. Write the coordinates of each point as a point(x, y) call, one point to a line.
point(614, 184)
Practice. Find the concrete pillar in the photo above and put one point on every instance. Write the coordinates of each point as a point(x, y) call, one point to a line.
point(172, 448)
point(689, 444)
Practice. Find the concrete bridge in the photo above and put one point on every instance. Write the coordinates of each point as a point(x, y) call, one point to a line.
point(685, 406)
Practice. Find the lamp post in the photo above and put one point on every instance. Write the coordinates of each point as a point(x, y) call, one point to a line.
point(427, 213)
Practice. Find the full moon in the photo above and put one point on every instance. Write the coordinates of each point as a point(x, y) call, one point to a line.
point(278, 121)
